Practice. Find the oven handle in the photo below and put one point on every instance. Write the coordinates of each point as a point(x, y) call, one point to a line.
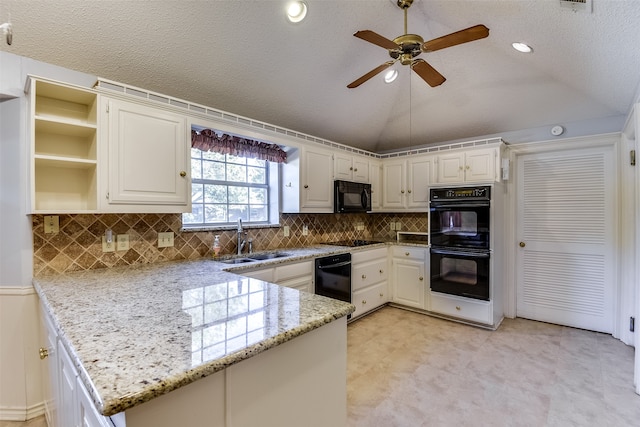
point(460, 253)
point(340, 264)
point(483, 204)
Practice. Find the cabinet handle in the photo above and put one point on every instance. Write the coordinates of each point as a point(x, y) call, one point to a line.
point(458, 307)
point(364, 276)
point(306, 186)
point(364, 301)
point(43, 353)
point(421, 278)
point(183, 174)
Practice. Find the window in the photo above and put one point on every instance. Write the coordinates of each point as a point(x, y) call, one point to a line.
point(225, 188)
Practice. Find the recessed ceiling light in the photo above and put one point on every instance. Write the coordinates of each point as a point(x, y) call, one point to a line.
point(296, 11)
point(522, 47)
point(390, 76)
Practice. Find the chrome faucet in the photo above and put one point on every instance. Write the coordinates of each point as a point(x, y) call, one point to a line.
point(241, 241)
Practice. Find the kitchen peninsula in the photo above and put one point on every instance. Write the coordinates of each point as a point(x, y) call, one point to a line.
point(185, 343)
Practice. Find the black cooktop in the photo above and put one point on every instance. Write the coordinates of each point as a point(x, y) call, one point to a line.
point(353, 243)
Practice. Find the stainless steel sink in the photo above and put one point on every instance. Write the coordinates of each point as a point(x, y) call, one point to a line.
point(271, 255)
point(237, 261)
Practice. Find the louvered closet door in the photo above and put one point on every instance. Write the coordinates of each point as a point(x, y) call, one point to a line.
point(566, 214)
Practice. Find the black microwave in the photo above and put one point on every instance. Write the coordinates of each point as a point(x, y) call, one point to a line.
point(351, 197)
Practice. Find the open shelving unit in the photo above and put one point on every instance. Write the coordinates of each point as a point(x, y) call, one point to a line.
point(64, 148)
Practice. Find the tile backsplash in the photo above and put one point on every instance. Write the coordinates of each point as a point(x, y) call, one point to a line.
point(78, 244)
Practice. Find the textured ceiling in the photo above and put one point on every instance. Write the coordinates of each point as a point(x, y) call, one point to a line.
point(245, 58)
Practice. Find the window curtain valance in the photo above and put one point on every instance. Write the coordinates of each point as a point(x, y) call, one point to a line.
point(209, 140)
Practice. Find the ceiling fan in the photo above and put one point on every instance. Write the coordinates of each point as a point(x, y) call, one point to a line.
point(405, 48)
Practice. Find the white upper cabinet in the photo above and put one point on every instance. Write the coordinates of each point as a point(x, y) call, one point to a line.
point(148, 154)
point(406, 183)
point(350, 168)
point(375, 173)
point(307, 181)
point(471, 166)
point(64, 147)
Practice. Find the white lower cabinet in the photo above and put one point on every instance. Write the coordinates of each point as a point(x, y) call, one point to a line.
point(369, 280)
point(462, 308)
point(67, 400)
point(298, 276)
point(409, 276)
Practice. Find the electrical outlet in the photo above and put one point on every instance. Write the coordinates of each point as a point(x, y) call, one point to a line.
point(360, 226)
point(108, 247)
point(51, 224)
point(398, 226)
point(165, 240)
point(392, 226)
point(285, 231)
point(122, 242)
point(305, 230)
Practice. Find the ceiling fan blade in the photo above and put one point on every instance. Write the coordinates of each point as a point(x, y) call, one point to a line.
point(427, 72)
point(375, 38)
point(370, 74)
point(459, 37)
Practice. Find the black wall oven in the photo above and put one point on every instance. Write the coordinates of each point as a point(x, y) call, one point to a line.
point(460, 241)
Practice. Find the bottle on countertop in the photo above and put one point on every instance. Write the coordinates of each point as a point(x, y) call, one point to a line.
point(216, 246)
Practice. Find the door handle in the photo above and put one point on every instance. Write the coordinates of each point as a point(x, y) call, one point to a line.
point(522, 244)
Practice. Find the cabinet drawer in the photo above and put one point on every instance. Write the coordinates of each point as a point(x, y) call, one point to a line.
point(409, 252)
point(290, 271)
point(368, 255)
point(368, 273)
point(478, 311)
point(304, 283)
point(370, 298)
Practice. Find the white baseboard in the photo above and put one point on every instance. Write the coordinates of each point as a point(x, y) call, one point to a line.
point(17, 290)
point(21, 414)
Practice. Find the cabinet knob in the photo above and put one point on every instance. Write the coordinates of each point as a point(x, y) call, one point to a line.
point(381, 294)
point(406, 253)
point(306, 186)
point(402, 191)
point(183, 174)
point(43, 353)
point(461, 168)
point(364, 301)
point(364, 276)
point(522, 244)
point(467, 167)
point(381, 271)
point(351, 168)
point(458, 307)
point(421, 278)
point(355, 170)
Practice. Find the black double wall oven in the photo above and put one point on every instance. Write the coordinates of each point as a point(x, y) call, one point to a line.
point(460, 241)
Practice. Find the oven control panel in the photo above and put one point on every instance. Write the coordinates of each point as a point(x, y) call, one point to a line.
point(465, 193)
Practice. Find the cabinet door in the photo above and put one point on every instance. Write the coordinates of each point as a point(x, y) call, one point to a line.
point(376, 187)
point(408, 282)
point(393, 178)
point(317, 172)
point(360, 170)
point(49, 370)
point(420, 177)
point(89, 416)
point(451, 167)
point(68, 404)
point(265, 274)
point(148, 155)
point(343, 167)
point(480, 165)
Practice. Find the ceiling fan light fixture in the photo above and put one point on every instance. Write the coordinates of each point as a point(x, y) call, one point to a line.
point(390, 76)
point(522, 47)
point(296, 11)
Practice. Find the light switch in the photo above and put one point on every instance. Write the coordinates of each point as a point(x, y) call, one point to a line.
point(51, 224)
point(398, 226)
point(165, 240)
point(122, 242)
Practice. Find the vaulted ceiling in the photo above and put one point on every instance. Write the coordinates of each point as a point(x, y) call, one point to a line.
point(244, 57)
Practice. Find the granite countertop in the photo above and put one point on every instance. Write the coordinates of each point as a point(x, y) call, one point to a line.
point(135, 333)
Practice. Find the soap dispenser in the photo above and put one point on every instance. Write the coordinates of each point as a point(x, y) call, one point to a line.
point(216, 246)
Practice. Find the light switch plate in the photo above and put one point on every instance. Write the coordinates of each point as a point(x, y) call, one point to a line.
point(122, 242)
point(398, 226)
point(165, 240)
point(305, 230)
point(285, 231)
point(108, 247)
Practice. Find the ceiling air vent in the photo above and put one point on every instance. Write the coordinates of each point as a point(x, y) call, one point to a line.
point(583, 6)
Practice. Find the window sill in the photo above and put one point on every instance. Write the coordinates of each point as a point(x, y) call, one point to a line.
point(245, 226)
